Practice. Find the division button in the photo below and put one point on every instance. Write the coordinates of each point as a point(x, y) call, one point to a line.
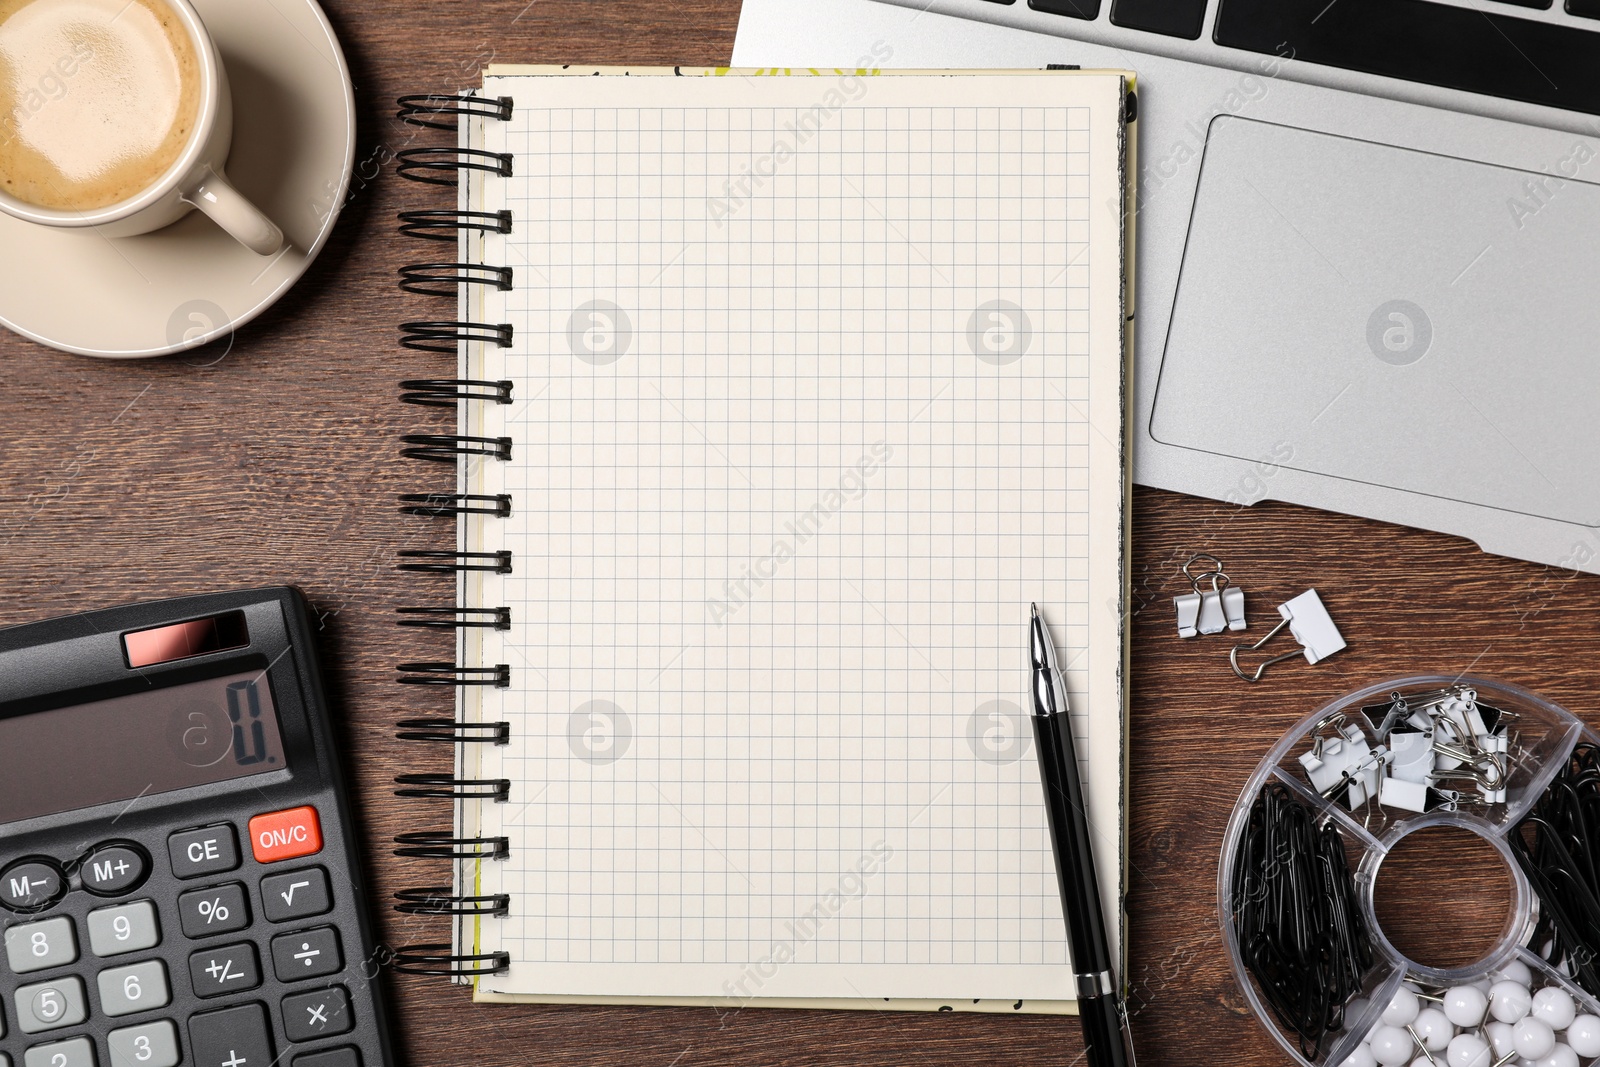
point(225, 969)
point(147, 1045)
point(41, 945)
point(208, 850)
point(124, 928)
point(296, 895)
point(323, 1013)
point(29, 885)
point(232, 1037)
point(308, 954)
point(221, 909)
point(112, 870)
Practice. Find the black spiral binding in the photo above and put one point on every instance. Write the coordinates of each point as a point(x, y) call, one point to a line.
point(443, 277)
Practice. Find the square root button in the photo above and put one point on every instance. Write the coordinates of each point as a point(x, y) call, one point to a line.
point(286, 835)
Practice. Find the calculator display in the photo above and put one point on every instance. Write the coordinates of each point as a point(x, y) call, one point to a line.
point(135, 745)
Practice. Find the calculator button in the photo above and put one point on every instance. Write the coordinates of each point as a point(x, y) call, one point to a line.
point(124, 928)
point(285, 835)
point(232, 1037)
point(308, 954)
point(141, 987)
point(74, 1052)
point(112, 870)
point(308, 1016)
point(29, 885)
point(295, 895)
point(333, 1057)
point(208, 850)
point(220, 909)
point(50, 1005)
point(40, 945)
point(226, 969)
point(146, 1045)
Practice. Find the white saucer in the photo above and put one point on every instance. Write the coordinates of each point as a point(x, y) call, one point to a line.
point(294, 137)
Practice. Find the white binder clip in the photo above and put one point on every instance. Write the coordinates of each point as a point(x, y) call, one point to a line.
point(1212, 610)
point(1310, 624)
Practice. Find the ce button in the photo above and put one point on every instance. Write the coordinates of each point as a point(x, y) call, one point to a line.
point(208, 850)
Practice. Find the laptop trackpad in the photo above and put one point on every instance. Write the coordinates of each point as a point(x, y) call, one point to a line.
point(1394, 317)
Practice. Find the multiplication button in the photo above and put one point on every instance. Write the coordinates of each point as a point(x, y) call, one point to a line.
point(324, 1013)
point(208, 850)
point(41, 945)
point(221, 909)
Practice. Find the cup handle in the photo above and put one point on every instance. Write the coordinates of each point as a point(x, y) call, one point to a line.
point(227, 208)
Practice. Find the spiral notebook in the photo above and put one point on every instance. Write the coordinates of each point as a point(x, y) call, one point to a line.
point(782, 394)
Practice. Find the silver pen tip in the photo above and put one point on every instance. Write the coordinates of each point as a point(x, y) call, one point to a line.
point(1035, 609)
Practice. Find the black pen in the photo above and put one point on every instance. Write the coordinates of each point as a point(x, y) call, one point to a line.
point(1099, 1006)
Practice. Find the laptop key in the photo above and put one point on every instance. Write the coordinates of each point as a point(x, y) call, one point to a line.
point(1077, 9)
point(1174, 18)
point(1589, 9)
point(1452, 47)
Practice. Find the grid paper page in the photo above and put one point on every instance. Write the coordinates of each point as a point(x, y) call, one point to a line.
point(802, 424)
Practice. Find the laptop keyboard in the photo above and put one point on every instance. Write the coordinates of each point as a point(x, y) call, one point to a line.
point(1451, 47)
point(1174, 18)
point(1480, 49)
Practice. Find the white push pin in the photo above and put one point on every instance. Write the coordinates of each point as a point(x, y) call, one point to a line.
point(1310, 624)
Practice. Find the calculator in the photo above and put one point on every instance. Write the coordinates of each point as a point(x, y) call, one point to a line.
point(178, 873)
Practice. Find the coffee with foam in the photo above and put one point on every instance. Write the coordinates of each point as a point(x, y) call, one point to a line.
point(98, 98)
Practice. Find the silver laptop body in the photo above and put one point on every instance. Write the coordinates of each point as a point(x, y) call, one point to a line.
point(1357, 292)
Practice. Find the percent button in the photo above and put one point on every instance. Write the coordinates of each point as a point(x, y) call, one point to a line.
point(220, 909)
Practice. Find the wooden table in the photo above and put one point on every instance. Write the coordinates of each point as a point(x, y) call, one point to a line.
point(125, 481)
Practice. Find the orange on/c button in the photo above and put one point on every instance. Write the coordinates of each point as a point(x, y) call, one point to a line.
point(285, 835)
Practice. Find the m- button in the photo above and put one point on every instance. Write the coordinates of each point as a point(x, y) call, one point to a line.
point(285, 835)
point(208, 850)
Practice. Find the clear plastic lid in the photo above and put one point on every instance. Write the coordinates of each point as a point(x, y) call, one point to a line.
point(1328, 760)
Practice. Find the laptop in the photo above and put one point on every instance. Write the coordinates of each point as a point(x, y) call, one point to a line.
point(1368, 239)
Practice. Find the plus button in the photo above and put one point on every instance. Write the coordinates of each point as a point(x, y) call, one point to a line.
point(236, 1060)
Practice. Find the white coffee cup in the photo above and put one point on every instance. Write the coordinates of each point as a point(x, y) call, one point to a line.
point(194, 180)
